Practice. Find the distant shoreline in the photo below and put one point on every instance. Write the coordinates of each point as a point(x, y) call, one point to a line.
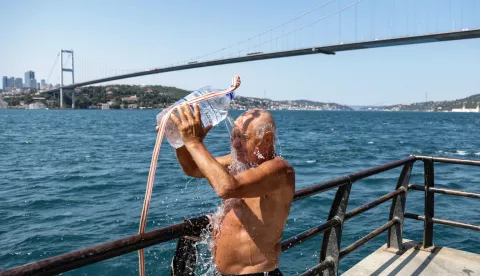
point(356, 110)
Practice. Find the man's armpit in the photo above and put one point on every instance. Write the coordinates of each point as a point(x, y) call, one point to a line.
point(225, 160)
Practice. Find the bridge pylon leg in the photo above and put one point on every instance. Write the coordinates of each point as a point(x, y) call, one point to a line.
point(66, 69)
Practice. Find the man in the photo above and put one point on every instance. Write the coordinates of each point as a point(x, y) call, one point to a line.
point(259, 198)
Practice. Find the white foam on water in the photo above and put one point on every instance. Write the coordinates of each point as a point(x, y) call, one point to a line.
point(477, 153)
point(462, 152)
point(371, 143)
point(311, 161)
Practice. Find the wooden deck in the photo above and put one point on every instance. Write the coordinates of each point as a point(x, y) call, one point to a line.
point(414, 261)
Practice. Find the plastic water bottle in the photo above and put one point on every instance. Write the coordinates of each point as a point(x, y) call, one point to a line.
point(213, 111)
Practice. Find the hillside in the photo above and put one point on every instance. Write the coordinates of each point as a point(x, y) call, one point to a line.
point(250, 102)
point(156, 96)
point(439, 106)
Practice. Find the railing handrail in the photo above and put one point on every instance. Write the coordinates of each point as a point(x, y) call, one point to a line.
point(448, 160)
point(351, 178)
point(104, 251)
point(193, 227)
point(429, 189)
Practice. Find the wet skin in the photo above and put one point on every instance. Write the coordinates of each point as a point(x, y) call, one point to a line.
point(257, 200)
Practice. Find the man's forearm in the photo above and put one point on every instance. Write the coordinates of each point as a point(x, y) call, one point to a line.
point(222, 182)
point(189, 166)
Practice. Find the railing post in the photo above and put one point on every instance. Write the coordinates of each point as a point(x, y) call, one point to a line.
point(185, 259)
point(397, 210)
point(333, 237)
point(429, 204)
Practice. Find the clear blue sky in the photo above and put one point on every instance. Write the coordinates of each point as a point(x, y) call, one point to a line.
point(115, 35)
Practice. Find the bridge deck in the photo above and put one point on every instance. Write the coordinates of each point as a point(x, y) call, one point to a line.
point(327, 49)
point(442, 261)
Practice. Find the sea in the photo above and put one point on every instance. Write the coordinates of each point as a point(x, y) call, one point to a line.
point(71, 179)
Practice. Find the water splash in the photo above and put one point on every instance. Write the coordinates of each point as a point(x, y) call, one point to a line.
point(258, 154)
point(229, 124)
point(277, 147)
point(206, 244)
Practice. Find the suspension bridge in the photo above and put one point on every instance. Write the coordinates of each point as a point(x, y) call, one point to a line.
point(331, 27)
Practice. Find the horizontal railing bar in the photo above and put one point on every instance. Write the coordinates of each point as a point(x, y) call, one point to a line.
point(306, 235)
point(94, 254)
point(414, 216)
point(318, 268)
point(370, 205)
point(416, 187)
point(449, 160)
point(445, 222)
point(456, 224)
point(454, 192)
point(337, 182)
point(445, 191)
point(349, 249)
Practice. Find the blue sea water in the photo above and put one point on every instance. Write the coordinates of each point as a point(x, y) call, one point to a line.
point(73, 179)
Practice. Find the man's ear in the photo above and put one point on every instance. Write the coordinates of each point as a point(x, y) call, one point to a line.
point(268, 138)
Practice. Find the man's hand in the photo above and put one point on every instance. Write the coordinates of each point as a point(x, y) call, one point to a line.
point(189, 125)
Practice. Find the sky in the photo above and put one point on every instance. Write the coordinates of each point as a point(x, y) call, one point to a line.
point(112, 37)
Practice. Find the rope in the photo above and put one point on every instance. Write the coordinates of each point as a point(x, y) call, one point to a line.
point(262, 33)
point(53, 67)
point(306, 25)
point(156, 151)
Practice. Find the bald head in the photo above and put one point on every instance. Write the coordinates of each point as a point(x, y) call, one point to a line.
point(259, 120)
point(257, 127)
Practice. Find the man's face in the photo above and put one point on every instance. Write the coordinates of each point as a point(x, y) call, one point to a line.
point(244, 140)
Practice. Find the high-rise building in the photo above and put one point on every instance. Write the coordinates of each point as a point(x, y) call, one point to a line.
point(30, 75)
point(43, 84)
point(18, 83)
point(4, 82)
point(11, 82)
point(38, 85)
point(33, 83)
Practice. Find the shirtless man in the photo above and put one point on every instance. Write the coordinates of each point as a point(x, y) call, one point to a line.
point(259, 198)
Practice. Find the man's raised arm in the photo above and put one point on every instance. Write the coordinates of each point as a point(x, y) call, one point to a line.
point(189, 166)
point(264, 179)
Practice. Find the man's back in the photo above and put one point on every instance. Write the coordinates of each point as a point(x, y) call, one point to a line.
point(251, 229)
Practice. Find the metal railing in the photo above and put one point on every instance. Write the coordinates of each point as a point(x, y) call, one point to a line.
point(188, 232)
point(429, 189)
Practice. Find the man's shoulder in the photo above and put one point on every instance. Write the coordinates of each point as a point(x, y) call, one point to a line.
point(283, 164)
point(284, 168)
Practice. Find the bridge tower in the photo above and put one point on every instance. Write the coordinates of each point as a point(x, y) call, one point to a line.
point(66, 69)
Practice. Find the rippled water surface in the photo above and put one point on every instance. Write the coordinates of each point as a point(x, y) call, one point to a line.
point(72, 179)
